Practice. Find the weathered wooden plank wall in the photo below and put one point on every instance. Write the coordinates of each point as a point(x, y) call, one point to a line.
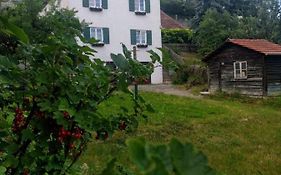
point(273, 71)
point(222, 62)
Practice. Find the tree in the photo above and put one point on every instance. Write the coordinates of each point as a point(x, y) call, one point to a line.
point(214, 29)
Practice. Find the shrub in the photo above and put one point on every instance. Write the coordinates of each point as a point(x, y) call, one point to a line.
point(180, 36)
point(191, 74)
point(50, 92)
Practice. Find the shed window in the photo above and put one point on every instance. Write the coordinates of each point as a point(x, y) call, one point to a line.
point(240, 69)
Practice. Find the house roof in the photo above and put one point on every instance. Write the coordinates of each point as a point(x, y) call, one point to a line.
point(258, 45)
point(168, 22)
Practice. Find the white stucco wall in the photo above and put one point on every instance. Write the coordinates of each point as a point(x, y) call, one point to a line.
point(120, 20)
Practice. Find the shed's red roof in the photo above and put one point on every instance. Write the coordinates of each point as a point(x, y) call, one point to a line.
point(260, 45)
point(168, 22)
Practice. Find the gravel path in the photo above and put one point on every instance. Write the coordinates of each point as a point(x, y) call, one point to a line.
point(168, 89)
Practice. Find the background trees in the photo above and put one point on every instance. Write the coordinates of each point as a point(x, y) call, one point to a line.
point(242, 19)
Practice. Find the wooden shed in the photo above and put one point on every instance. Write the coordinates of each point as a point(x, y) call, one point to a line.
point(246, 66)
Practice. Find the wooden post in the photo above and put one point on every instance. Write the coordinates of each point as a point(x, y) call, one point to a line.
point(136, 85)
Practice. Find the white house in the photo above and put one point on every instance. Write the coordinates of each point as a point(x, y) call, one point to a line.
point(112, 22)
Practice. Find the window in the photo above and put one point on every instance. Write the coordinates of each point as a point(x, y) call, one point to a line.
point(140, 5)
point(95, 3)
point(141, 38)
point(240, 69)
point(97, 33)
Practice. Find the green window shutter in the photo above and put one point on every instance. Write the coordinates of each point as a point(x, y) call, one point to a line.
point(133, 37)
point(149, 37)
point(85, 3)
point(86, 33)
point(105, 4)
point(147, 6)
point(132, 5)
point(105, 35)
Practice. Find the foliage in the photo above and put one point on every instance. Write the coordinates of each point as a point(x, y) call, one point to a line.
point(181, 8)
point(214, 30)
point(174, 158)
point(163, 159)
point(216, 20)
point(177, 36)
point(190, 74)
point(50, 91)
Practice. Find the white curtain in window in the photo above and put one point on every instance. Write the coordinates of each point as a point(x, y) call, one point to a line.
point(95, 3)
point(140, 5)
point(97, 33)
point(141, 37)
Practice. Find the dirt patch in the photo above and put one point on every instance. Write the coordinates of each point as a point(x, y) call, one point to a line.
point(168, 89)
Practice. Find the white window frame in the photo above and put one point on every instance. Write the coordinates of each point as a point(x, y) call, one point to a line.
point(138, 6)
point(93, 4)
point(94, 34)
point(139, 37)
point(243, 73)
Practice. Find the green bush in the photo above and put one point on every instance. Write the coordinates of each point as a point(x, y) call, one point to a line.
point(180, 36)
point(191, 75)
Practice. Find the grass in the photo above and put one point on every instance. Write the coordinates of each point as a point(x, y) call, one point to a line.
point(238, 136)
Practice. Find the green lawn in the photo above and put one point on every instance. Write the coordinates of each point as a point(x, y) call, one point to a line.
point(237, 137)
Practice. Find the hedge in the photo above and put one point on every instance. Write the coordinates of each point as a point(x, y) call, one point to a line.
point(180, 36)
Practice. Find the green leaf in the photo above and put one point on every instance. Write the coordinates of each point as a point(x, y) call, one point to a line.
point(4, 124)
point(154, 56)
point(120, 61)
point(126, 52)
point(137, 151)
point(10, 161)
point(157, 168)
point(2, 170)
point(14, 30)
point(68, 60)
point(5, 62)
point(63, 104)
point(110, 168)
point(27, 134)
point(149, 108)
point(42, 77)
point(186, 161)
point(12, 148)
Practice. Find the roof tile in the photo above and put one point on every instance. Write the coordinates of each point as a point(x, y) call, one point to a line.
point(260, 45)
point(168, 22)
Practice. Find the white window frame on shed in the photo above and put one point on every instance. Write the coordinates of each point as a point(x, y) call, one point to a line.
point(240, 69)
point(97, 33)
point(95, 4)
point(141, 37)
point(140, 6)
